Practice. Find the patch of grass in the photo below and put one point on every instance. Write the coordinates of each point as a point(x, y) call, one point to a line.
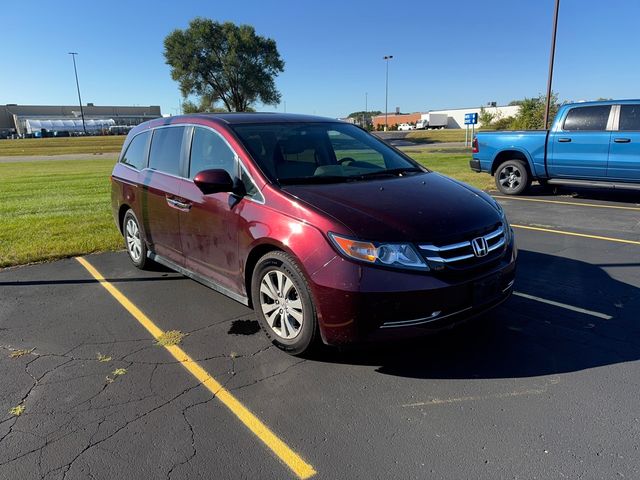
point(455, 166)
point(170, 337)
point(58, 146)
point(436, 136)
point(21, 353)
point(17, 411)
point(103, 358)
point(55, 209)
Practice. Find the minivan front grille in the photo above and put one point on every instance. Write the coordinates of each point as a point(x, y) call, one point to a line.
point(465, 254)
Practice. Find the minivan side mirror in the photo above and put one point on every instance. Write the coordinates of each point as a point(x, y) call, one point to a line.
point(213, 181)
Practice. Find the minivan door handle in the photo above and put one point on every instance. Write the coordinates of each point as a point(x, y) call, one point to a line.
point(564, 140)
point(180, 205)
point(622, 140)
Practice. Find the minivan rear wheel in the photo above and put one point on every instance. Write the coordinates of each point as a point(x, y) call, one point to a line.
point(283, 304)
point(134, 240)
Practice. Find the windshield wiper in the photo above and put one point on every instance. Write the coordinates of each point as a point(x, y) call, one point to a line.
point(392, 172)
point(314, 179)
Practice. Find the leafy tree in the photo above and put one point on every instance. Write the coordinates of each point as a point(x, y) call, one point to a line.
point(224, 62)
point(205, 104)
point(531, 114)
point(503, 123)
point(486, 118)
point(366, 114)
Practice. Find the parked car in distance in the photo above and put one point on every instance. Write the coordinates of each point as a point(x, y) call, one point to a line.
point(590, 144)
point(404, 127)
point(326, 231)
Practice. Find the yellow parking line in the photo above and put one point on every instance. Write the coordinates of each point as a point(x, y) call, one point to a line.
point(574, 234)
point(594, 205)
point(290, 458)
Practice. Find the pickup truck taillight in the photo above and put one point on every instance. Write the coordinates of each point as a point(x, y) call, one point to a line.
point(474, 145)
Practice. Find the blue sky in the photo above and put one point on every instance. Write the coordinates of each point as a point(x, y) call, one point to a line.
point(447, 53)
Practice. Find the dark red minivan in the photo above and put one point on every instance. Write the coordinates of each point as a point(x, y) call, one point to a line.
point(325, 230)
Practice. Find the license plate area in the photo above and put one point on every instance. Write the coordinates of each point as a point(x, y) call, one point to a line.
point(487, 289)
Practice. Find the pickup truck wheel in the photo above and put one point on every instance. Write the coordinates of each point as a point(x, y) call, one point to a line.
point(512, 177)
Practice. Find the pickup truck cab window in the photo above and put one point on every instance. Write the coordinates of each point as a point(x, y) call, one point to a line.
point(629, 117)
point(587, 118)
point(166, 148)
point(136, 154)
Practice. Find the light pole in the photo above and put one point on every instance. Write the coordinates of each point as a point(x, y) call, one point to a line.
point(386, 58)
point(366, 101)
point(73, 55)
point(551, 59)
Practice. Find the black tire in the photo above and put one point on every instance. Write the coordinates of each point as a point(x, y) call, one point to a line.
point(512, 177)
point(267, 270)
point(134, 240)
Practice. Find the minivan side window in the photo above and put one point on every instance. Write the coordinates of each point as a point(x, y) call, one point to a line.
point(210, 151)
point(629, 117)
point(587, 118)
point(166, 147)
point(135, 156)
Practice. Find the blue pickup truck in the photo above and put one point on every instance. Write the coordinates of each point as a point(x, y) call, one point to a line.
point(593, 144)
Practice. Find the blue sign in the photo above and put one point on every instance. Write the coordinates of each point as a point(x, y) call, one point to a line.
point(470, 118)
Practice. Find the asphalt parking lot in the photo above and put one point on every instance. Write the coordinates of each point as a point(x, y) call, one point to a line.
point(546, 386)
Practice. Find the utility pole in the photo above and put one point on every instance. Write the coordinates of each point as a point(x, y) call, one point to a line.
point(386, 58)
point(366, 106)
point(73, 55)
point(551, 60)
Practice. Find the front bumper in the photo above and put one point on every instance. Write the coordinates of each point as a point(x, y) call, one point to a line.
point(357, 303)
point(475, 165)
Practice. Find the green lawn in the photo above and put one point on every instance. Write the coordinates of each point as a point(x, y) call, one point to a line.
point(55, 209)
point(436, 136)
point(454, 165)
point(58, 146)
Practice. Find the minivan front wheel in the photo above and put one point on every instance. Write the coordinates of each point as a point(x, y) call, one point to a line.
point(283, 304)
point(134, 241)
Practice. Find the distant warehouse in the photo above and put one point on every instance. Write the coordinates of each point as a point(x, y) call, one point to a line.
point(448, 118)
point(53, 120)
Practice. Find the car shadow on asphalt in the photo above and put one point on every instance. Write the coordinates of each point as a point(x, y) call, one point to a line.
point(579, 193)
point(523, 337)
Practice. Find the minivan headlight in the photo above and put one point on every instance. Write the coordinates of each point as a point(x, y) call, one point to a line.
point(508, 233)
point(399, 255)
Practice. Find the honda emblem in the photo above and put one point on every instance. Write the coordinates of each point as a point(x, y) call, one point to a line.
point(480, 246)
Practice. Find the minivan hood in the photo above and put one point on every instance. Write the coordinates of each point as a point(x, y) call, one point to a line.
point(427, 207)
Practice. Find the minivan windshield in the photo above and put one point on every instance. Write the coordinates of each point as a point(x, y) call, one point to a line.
point(299, 153)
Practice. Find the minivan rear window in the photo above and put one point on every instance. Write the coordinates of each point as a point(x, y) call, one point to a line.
point(166, 149)
point(587, 118)
point(135, 156)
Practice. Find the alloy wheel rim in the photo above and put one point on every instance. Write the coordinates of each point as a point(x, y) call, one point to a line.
point(134, 243)
point(510, 177)
point(281, 304)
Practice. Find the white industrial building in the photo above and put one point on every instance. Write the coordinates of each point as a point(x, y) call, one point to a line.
point(456, 115)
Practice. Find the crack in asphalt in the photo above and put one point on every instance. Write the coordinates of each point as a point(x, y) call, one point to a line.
point(268, 377)
point(111, 410)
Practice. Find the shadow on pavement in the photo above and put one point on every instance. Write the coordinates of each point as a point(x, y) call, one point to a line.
point(524, 338)
point(560, 192)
